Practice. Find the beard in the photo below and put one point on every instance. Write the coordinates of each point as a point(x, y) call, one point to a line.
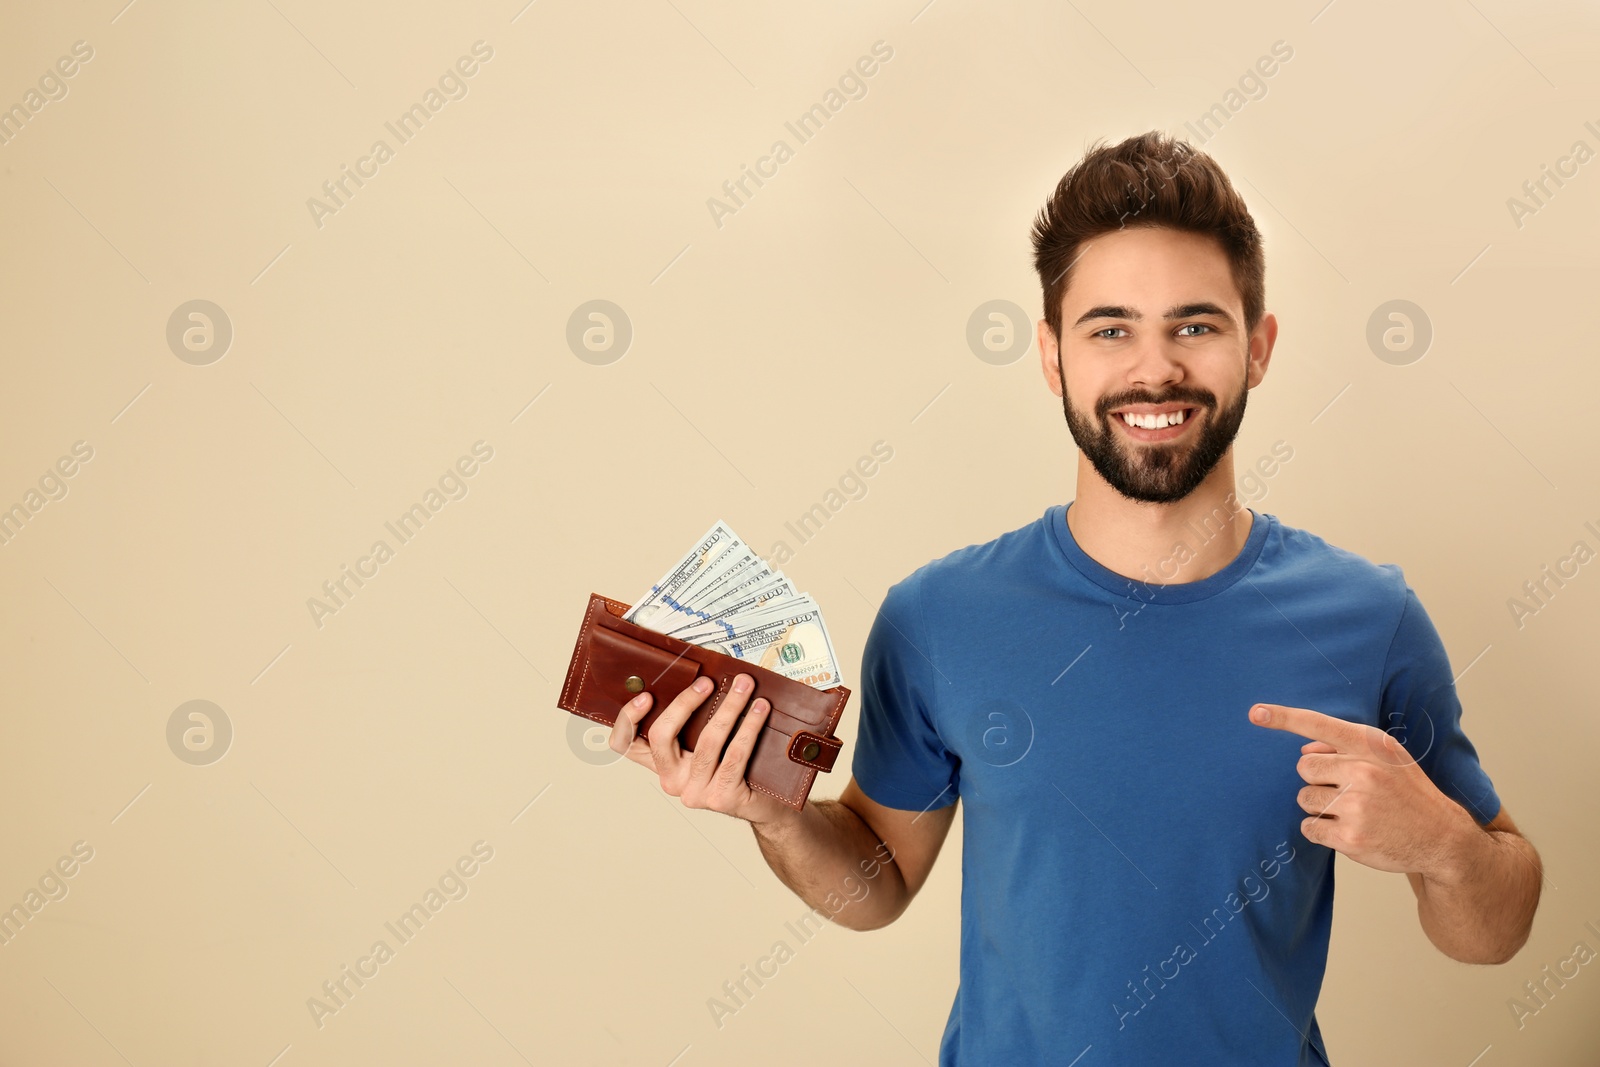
point(1162, 472)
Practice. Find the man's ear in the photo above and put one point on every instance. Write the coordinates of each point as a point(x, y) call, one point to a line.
point(1049, 357)
point(1262, 339)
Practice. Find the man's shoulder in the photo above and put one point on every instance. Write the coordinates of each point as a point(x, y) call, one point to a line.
point(1302, 557)
point(982, 565)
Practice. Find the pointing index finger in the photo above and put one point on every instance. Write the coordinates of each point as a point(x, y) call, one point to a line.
point(1340, 733)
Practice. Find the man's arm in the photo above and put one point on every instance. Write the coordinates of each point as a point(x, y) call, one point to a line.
point(858, 861)
point(1477, 903)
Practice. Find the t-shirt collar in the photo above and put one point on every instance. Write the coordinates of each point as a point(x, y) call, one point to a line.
point(1165, 592)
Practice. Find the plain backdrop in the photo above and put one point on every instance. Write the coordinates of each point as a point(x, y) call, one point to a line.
point(350, 757)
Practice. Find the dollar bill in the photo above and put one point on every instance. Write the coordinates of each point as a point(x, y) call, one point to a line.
point(747, 595)
point(730, 561)
point(664, 594)
point(709, 580)
point(794, 644)
point(724, 596)
point(727, 627)
point(734, 570)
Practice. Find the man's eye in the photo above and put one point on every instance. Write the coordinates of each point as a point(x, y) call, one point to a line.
point(1195, 326)
point(1099, 333)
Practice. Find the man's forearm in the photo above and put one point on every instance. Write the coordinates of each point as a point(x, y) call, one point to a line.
point(1478, 907)
point(834, 861)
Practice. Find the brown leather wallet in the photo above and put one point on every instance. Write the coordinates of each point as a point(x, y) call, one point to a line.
point(615, 660)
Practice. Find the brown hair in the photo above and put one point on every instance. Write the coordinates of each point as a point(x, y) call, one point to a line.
point(1147, 180)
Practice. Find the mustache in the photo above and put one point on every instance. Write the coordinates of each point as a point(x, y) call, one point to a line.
point(1196, 399)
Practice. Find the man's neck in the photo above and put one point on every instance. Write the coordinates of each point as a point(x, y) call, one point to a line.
point(1165, 544)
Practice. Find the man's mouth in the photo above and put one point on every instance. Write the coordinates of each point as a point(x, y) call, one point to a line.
point(1155, 422)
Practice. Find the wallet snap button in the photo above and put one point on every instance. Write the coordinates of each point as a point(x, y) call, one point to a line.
point(811, 750)
point(633, 684)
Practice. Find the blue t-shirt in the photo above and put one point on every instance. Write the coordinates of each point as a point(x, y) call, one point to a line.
point(1133, 874)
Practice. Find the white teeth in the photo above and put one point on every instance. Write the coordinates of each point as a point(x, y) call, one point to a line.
point(1153, 422)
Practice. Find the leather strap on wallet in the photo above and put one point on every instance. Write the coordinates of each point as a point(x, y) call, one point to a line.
point(615, 660)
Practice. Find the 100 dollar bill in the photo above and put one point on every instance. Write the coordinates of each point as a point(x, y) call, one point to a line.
point(793, 643)
point(664, 594)
point(722, 595)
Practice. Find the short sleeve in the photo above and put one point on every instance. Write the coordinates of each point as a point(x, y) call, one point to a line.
point(900, 761)
point(1421, 709)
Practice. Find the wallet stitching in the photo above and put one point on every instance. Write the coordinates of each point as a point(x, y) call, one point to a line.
point(779, 796)
point(569, 695)
point(594, 717)
point(578, 695)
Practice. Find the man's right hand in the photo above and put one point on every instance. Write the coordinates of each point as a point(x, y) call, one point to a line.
point(696, 777)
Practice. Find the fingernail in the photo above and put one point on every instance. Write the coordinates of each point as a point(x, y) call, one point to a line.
point(702, 685)
point(741, 684)
point(1258, 713)
point(640, 700)
point(760, 704)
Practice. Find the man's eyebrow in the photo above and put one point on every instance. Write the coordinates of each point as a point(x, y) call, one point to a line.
point(1177, 311)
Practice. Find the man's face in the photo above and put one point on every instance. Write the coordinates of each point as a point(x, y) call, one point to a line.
point(1153, 324)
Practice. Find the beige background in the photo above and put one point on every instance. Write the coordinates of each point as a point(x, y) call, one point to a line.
point(828, 313)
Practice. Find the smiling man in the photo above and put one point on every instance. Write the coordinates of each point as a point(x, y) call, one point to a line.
point(1155, 774)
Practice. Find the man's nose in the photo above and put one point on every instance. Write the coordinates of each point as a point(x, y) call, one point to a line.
point(1155, 364)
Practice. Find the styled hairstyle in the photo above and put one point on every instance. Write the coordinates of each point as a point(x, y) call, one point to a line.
point(1147, 180)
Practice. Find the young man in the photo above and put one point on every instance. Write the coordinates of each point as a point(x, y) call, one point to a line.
point(1164, 711)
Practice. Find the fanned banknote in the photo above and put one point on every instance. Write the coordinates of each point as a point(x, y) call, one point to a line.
point(662, 599)
point(724, 596)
